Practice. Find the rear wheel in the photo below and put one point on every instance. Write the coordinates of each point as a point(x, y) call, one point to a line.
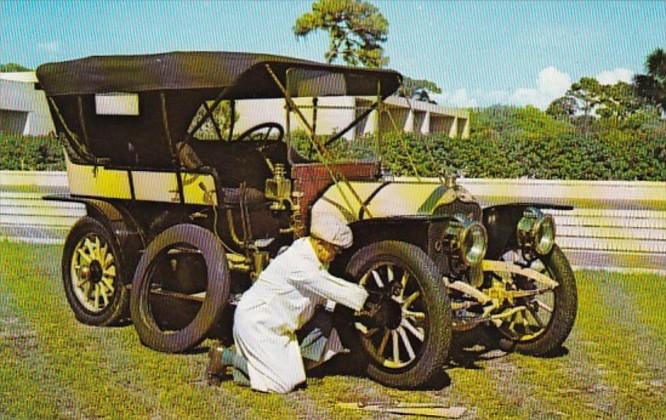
point(411, 348)
point(92, 274)
point(180, 288)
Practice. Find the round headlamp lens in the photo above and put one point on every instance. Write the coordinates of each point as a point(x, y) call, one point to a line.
point(544, 234)
point(473, 244)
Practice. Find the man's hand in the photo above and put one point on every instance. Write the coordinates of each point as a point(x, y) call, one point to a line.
point(374, 314)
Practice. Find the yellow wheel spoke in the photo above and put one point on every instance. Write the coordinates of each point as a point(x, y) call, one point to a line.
point(97, 296)
point(110, 271)
point(389, 270)
point(411, 314)
point(537, 318)
point(544, 306)
point(108, 283)
point(378, 279)
point(411, 299)
point(403, 283)
point(396, 347)
point(98, 247)
point(512, 324)
point(80, 281)
point(89, 246)
point(382, 345)
point(364, 280)
point(105, 297)
point(85, 256)
point(407, 344)
point(103, 252)
point(108, 260)
point(417, 331)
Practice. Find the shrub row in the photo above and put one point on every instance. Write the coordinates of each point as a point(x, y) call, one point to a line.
point(562, 156)
point(30, 153)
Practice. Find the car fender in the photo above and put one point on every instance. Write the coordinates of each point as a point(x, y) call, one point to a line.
point(500, 222)
point(126, 231)
point(422, 231)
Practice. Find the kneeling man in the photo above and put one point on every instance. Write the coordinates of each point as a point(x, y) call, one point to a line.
point(284, 297)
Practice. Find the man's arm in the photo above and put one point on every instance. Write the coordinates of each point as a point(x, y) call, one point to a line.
point(330, 287)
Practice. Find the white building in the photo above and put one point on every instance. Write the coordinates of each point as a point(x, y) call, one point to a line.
point(422, 117)
point(23, 110)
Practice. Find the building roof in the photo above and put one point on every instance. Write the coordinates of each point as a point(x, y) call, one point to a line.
point(21, 76)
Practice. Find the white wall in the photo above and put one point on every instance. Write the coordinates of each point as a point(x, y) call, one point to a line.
point(17, 93)
point(256, 111)
point(615, 225)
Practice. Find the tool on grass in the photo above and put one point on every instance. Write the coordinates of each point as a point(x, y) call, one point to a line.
point(410, 409)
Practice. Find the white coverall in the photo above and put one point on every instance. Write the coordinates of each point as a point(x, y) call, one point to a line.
point(277, 305)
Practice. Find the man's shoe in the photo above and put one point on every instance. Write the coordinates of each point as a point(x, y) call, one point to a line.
point(216, 368)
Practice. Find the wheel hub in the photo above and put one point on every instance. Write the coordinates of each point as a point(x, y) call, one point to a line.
point(95, 272)
point(394, 312)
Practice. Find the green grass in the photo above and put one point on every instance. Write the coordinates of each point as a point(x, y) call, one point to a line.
point(54, 367)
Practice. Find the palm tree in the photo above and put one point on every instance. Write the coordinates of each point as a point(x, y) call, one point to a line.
point(652, 86)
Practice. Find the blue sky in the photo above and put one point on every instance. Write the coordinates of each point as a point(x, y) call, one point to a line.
point(479, 53)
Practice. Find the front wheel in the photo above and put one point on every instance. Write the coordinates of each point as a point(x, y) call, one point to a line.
point(539, 319)
point(412, 346)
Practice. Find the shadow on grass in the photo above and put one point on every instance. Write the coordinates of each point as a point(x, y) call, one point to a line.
point(356, 366)
point(470, 348)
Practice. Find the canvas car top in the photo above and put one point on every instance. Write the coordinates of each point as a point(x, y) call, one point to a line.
point(243, 74)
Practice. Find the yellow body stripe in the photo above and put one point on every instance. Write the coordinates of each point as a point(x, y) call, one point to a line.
point(98, 181)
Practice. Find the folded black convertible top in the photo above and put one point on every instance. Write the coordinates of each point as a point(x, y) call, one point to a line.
point(243, 75)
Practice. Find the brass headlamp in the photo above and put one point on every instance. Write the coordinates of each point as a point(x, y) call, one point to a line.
point(536, 231)
point(467, 239)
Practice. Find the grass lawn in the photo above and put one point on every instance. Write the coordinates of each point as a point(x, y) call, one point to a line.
point(613, 365)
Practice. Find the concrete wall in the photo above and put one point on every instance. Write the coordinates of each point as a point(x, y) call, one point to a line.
point(19, 97)
point(619, 226)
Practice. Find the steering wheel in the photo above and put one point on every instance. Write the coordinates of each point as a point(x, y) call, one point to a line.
point(254, 133)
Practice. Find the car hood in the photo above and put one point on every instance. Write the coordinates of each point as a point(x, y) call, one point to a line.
point(387, 199)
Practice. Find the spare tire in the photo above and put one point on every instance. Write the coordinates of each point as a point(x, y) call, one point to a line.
point(170, 318)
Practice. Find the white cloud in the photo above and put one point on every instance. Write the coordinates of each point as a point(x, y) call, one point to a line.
point(459, 98)
point(610, 77)
point(550, 84)
point(49, 46)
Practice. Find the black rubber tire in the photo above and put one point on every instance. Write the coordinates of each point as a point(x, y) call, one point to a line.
point(435, 349)
point(117, 310)
point(564, 311)
point(217, 290)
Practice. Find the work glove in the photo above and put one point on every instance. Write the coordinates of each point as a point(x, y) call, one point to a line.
point(374, 314)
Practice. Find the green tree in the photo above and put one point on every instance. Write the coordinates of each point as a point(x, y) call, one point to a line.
point(590, 104)
point(587, 93)
point(356, 30)
point(11, 67)
point(418, 89)
point(221, 114)
point(652, 86)
point(563, 108)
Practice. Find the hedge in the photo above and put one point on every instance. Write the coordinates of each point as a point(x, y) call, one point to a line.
point(484, 155)
point(30, 153)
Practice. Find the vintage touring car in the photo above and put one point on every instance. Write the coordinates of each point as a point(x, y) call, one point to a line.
point(183, 213)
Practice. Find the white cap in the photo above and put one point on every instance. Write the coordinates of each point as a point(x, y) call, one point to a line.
point(332, 230)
